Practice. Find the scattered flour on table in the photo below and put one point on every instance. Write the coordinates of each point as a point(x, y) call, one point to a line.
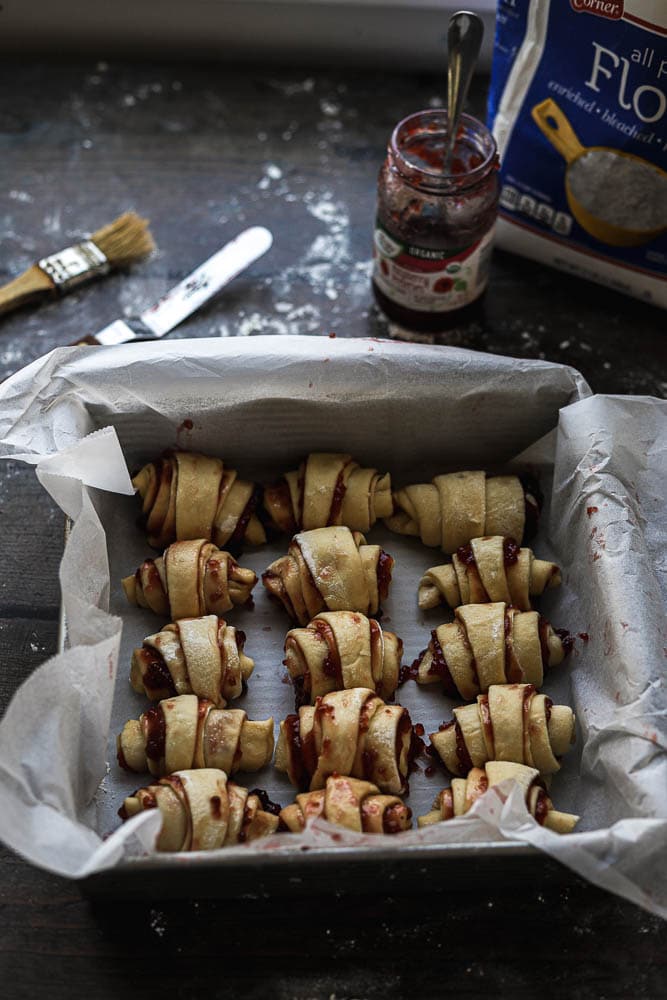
point(287, 135)
point(296, 87)
point(330, 108)
point(272, 172)
point(158, 922)
point(144, 91)
point(326, 266)
point(12, 355)
point(257, 323)
point(25, 245)
point(140, 291)
point(20, 196)
point(309, 293)
point(52, 222)
point(299, 319)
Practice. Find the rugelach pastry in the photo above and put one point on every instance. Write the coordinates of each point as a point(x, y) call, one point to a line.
point(328, 489)
point(490, 644)
point(202, 810)
point(458, 799)
point(202, 656)
point(188, 580)
point(460, 506)
point(351, 803)
point(348, 732)
point(487, 570)
point(186, 495)
point(342, 649)
point(512, 722)
point(329, 569)
point(190, 732)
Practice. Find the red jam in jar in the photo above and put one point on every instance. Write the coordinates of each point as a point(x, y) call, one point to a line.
point(434, 229)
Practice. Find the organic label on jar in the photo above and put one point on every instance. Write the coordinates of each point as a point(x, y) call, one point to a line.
point(423, 279)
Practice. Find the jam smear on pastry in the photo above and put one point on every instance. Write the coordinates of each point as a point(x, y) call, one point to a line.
point(202, 656)
point(460, 506)
point(329, 569)
point(487, 570)
point(188, 580)
point(464, 792)
point(342, 649)
point(202, 811)
point(190, 732)
point(490, 644)
point(511, 722)
point(186, 495)
point(351, 803)
point(328, 489)
point(348, 732)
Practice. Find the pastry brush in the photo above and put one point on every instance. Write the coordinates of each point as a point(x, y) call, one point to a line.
point(120, 243)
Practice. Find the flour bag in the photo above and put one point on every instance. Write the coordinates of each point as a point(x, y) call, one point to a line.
point(578, 106)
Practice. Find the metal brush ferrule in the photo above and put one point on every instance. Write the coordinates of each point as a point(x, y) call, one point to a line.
point(74, 265)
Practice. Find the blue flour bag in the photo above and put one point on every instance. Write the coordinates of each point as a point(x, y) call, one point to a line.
point(578, 106)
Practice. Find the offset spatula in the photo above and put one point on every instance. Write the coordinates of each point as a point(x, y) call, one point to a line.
point(191, 293)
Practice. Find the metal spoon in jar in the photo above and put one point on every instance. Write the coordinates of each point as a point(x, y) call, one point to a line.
point(464, 40)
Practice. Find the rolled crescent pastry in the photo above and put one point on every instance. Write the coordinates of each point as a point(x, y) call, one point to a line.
point(490, 644)
point(190, 732)
point(202, 656)
point(459, 506)
point(342, 649)
point(186, 495)
point(188, 580)
point(329, 569)
point(486, 570)
point(329, 489)
point(512, 722)
point(351, 803)
point(458, 799)
point(348, 732)
point(202, 810)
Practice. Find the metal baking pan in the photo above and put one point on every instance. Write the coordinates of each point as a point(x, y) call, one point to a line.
point(262, 405)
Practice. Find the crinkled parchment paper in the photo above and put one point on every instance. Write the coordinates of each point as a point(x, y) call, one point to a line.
point(80, 414)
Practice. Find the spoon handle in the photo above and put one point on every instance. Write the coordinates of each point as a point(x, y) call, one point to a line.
point(464, 40)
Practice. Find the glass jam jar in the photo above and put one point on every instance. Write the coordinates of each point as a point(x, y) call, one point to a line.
point(434, 230)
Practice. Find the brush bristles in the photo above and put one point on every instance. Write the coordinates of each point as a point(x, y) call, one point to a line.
point(124, 240)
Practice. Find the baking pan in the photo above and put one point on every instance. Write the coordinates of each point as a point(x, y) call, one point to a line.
point(414, 411)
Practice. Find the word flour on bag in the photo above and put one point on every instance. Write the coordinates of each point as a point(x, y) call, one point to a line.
point(578, 107)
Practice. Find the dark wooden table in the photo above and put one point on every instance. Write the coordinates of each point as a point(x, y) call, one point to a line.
point(204, 152)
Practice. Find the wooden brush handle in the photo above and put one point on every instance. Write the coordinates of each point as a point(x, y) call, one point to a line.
point(33, 284)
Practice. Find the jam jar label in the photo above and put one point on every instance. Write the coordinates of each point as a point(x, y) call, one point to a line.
point(418, 278)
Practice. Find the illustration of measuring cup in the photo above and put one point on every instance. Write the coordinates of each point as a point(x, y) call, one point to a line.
point(595, 160)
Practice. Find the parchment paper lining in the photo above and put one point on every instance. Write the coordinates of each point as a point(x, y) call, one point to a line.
point(262, 404)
